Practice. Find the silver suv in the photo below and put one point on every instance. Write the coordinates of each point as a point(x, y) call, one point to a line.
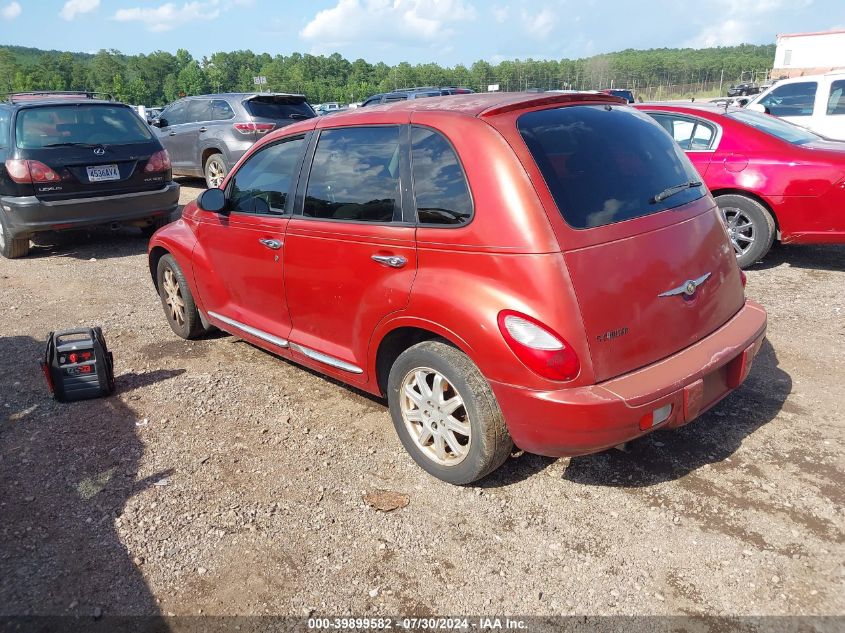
point(207, 134)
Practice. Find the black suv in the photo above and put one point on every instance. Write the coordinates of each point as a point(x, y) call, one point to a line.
point(70, 160)
point(207, 134)
point(743, 90)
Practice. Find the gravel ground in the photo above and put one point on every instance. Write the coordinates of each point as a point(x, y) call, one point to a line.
point(223, 480)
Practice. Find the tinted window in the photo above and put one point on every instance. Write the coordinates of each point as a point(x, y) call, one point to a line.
point(199, 110)
point(606, 164)
point(55, 125)
point(279, 108)
point(440, 187)
point(4, 127)
point(791, 99)
point(783, 130)
point(690, 134)
point(836, 101)
point(220, 110)
point(263, 182)
point(355, 175)
point(176, 114)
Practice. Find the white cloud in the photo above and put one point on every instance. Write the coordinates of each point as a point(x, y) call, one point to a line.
point(11, 10)
point(500, 14)
point(386, 20)
point(73, 8)
point(741, 21)
point(168, 16)
point(540, 24)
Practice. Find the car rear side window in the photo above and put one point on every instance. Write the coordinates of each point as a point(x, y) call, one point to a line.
point(440, 187)
point(690, 134)
point(262, 184)
point(64, 125)
point(221, 110)
point(199, 110)
point(355, 175)
point(795, 99)
point(836, 101)
point(4, 128)
point(279, 108)
point(605, 164)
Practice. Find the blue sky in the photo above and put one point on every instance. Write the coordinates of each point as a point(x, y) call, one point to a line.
point(444, 31)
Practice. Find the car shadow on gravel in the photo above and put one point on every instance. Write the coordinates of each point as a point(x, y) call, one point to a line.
point(829, 257)
point(670, 455)
point(66, 471)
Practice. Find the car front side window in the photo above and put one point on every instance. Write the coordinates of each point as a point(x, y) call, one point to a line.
point(791, 99)
point(355, 175)
point(175, 114)
point(836, 100)
point(262, 184)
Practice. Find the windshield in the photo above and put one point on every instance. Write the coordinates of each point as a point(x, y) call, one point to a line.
point(279, 108)
point(605, 164)
point(94, 124)
point(783, 130)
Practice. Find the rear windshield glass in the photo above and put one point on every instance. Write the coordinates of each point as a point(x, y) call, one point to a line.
point(783, 130)
point(65, 125)
point(279, 108)
point(605, 164)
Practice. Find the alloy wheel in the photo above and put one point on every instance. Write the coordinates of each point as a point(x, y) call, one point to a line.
point(2, 237)
point(216, 173)
point(740, 229)
point(173, 297)
point(435, 416)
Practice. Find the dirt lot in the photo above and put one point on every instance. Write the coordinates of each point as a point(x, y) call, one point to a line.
point(223, 480)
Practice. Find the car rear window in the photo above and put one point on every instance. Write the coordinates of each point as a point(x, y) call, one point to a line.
point(606, 164)
point(63, 125)
point(279, 108)
point(784, 130)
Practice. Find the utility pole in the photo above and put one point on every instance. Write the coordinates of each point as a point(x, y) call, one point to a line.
point(721, 78)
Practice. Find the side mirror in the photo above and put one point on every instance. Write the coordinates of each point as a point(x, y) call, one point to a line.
point(159, 122)
point(212, 200)
point(759, 107)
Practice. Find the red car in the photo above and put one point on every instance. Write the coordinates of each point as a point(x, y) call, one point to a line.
point(771, 179)
point(545, 271)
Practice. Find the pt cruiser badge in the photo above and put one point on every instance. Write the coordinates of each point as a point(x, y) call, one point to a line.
point(687, 288)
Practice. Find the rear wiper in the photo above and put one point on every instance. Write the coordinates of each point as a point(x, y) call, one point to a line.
point(671, 191)
point(72, 144)
point(296, 115)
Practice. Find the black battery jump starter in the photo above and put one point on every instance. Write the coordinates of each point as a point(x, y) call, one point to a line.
point(78, 365)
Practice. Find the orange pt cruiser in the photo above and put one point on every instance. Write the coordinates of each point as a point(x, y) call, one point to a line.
point(544, 271)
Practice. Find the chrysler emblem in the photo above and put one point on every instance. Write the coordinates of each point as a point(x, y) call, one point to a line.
point(687, 289)
point(99, 151)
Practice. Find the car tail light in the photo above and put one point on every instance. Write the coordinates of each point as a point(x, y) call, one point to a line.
point(160, 161)
point(742, 277)
point(543, 352)
point(29, 171)
point(254, 128)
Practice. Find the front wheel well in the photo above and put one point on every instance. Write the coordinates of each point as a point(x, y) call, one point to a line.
point(393, 344)
point(155, 255)
point(208, 153)
point(752, 196)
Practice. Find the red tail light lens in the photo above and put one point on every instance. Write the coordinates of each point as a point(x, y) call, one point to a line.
point(742, 277)
point(254, 128)
point(160, 161)
point(30, 171)
point(543, 352)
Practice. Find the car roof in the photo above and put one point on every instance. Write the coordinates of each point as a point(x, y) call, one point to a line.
point(483, 104)
point(691, 106)
point(60, 101)
point(246, 94)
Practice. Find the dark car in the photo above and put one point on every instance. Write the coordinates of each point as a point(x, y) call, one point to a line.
point(405, 94)
point(207, 134)
point(743, 90)
point(69, 160)
point(626, 94)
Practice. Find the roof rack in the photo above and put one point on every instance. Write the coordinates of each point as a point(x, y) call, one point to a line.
point(14, 97)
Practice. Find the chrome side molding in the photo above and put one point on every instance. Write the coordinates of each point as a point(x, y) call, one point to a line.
point(325, 358)
point(264, 336)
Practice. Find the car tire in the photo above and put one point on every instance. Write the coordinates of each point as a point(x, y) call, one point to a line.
point(155, 225)
point(744, 218)
point(176, 299)
point(215, 170)
point(12, 247)
point(429, 425)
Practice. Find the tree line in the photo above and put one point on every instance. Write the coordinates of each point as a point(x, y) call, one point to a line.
point(161, 77)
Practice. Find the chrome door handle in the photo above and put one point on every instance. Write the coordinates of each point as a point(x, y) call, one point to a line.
point(203, 129)
point(394, 261)
point(274, 244)
point(172, 133)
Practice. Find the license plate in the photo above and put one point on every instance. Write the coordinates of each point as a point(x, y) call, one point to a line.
point(103, 172)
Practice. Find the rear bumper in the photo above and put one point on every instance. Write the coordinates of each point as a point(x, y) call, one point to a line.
point(585, 420)
point(27, 215)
